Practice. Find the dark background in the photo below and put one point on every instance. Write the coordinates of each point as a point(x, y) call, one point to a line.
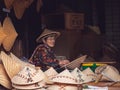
point(29, 26)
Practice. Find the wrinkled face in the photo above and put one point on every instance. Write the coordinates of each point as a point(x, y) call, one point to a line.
point(50, 41)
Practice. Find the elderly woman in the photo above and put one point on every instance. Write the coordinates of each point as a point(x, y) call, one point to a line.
point(43, 56)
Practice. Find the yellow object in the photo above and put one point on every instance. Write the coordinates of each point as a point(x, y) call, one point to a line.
point(91, 64)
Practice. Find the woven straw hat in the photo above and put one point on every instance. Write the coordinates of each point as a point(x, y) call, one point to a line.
point(28, 75)
point(76, 63)
point(50, 73)
point(62, 87)
point(98, 72)
point(11, 33)
point(80, 76)
point(8, 3)
point(17, 60)
point(20, 7)
point(4, 79)
point(47, 32)
point(110, 73)
point(11, 66)
point(2, 35)
point(89, 73)
point(63, 81)
point(35, 86)
point(64, 77)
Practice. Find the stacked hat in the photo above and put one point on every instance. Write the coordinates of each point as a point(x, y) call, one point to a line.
point(50, 73)
point(64, 81)
point(4, 79)
point(89, 73)
point(18, 60)
point(11, 66)
point(111, 73)
point(62, 87)
point(98, 72)
point(28, 78)
point(80, 76)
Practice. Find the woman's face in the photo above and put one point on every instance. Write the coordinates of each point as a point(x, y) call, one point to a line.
point(50, 41)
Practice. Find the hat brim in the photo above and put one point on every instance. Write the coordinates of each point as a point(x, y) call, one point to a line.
point(4, 79)
point(31, 86)
point(22, 77)
point(39, 39)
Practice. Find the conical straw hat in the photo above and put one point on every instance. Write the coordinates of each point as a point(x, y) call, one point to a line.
point(23, 64)
point(50, 73)
point(76, 63)
point(38, 85)
point(20, 7)
point(28, 75)
point(111, 74)
point(64, 77)
point(98, 72)
point(34, 86)
point(62, 87)
point(2, 35)
point(80, 76)
point(8, 3)
point(11, 66)
point(45, 33)
point(90, 74)
point(4, 79)
point(11, 33)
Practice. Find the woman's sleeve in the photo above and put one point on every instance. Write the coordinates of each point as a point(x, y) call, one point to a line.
point(35, 58)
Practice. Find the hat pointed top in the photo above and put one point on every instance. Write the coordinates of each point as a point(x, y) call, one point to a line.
point(65, 77)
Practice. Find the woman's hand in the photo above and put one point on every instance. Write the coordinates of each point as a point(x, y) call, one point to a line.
point(63, 62)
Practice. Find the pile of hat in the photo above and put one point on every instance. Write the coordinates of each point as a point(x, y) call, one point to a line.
point(84, 76)
point(50, 73)
point(8, 36)
point(107, 73)
point(64, 81)
point(67, 80)
point(29, 78)
point(10, 66)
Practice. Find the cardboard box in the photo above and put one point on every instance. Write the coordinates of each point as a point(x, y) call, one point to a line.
point(68, 21)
